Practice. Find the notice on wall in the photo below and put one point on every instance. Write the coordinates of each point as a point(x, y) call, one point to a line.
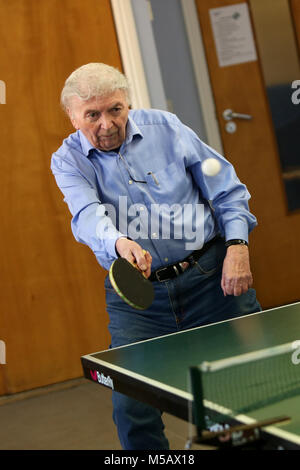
point(233, 34)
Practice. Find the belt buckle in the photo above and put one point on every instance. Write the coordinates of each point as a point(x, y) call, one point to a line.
point(163, 269)
point(157, 274)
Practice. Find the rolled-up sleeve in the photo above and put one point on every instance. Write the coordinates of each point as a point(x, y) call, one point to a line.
point(229, 197)
point(90, 223)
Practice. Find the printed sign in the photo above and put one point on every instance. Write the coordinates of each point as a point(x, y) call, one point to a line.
point(233, 34)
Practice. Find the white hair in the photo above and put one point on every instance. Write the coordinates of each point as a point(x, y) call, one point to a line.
point(94, 79)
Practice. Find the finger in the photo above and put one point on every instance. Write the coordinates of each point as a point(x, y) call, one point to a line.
point(229, 287)
point(149, 262)
point(142, 261)
point(242, 286)
point(238, 290)
point(130, 257)
point(236, 285)
point(223, 285)
point(147, 272)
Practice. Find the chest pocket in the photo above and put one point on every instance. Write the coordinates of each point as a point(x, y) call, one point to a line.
point(169, 184)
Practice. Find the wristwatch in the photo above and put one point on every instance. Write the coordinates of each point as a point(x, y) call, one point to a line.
point(236, 241)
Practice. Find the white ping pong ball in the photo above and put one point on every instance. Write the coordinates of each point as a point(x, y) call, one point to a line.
point(211, 166)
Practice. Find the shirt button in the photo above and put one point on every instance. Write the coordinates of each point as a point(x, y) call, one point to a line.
point(154, 235)
point(141, 208)
point(166, 260)
point(130, 181)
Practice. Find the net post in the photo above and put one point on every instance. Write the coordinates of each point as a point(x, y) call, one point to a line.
point(197, 393)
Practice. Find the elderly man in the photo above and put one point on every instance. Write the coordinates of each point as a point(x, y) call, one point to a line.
point(134, 184)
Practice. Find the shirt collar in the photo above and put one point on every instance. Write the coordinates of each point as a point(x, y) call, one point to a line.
point(85, 144)
point(132, 130)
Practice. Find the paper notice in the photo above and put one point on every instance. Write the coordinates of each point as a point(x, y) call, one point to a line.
point(233, 35)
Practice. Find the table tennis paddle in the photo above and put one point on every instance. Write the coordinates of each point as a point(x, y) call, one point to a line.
point(130, 284)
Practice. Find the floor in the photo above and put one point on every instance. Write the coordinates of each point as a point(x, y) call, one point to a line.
point(75, 415)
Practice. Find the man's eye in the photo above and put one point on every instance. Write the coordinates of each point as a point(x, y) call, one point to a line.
point(93, 116)
point(116, 110)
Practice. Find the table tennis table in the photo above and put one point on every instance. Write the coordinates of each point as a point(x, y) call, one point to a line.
point(155, 371)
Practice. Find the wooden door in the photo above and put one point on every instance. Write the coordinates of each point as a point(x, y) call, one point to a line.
point(52, 297)
point(274, 244)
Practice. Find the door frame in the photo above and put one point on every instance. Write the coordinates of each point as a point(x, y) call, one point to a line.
point(205, 92)
point(130, 52)
point(134, 68)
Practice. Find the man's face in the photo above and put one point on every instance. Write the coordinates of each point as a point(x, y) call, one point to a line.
point(102, 119)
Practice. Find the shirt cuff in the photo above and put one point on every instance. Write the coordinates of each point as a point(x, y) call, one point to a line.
point(237, 230)
point(111, 244)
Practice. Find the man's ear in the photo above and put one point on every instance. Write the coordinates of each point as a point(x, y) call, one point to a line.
point(72, 119)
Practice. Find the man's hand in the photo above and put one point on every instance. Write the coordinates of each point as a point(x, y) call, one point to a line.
point(135, 254)
point(236, 275)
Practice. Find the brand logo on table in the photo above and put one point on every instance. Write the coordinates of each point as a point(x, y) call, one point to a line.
point(2, 352)
point(2, 92)
point(102, 379)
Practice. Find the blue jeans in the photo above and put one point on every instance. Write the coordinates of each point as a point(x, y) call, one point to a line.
point(193, 299)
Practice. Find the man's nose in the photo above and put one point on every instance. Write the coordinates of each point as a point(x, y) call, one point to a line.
point(105, 122)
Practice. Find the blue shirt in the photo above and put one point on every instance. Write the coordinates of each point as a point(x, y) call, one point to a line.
point(153, 191)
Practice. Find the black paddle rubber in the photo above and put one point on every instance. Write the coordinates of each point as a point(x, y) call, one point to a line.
point(130, 284)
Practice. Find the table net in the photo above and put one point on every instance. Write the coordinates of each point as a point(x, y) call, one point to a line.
point(248, 382)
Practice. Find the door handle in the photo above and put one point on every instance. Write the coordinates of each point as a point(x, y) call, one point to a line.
point(228, 114)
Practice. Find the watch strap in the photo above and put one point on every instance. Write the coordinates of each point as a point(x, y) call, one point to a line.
point(236, 241)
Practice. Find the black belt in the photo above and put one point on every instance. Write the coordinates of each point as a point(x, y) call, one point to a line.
point(174, 270)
